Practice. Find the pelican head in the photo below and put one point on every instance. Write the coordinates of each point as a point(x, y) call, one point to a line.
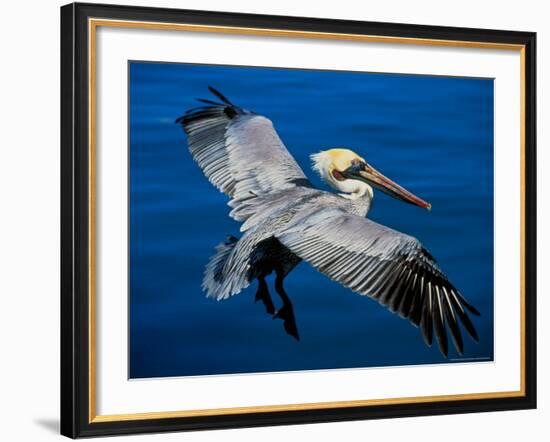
point(349, 173)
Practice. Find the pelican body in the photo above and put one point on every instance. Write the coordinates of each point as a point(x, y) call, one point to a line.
point(285, 220)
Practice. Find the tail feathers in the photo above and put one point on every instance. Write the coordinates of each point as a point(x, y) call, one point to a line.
point(221, 282)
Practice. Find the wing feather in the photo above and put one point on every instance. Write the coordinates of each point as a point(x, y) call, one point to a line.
point(239, 151)
point(391, 267)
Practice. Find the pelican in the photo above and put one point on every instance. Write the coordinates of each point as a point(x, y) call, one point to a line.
point(286, 220)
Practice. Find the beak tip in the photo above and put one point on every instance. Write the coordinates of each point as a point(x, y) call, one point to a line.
point(429, 207)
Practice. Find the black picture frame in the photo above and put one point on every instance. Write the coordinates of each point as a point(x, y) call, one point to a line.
point(75, 221)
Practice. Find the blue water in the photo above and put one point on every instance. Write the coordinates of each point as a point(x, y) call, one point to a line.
point(433, 135)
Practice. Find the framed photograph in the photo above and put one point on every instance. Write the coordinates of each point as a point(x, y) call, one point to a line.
point(279, 220)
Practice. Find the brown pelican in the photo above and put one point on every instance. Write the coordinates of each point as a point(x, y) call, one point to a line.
point(285, 220)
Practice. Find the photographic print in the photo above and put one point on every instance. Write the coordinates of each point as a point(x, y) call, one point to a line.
point(272, 220)
point(290, 219)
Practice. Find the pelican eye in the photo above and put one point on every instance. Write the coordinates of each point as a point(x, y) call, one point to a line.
point(338, 175)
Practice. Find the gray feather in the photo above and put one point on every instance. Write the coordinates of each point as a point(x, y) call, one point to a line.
point(241, 154)
point(378, 262)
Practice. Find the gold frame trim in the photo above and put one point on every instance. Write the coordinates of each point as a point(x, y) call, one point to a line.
point(93, 24)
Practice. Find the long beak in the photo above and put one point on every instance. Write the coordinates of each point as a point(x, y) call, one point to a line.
point(372, 176)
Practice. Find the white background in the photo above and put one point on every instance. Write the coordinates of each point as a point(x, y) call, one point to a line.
point(29, 238)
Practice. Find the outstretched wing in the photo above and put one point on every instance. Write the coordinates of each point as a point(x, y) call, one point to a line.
point(239, 151)
point(391, 267)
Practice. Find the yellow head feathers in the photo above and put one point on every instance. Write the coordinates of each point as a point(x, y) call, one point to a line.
point(330, 164)
point(326, 161)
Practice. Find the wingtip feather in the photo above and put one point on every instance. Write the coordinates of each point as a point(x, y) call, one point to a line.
point(219, 95)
